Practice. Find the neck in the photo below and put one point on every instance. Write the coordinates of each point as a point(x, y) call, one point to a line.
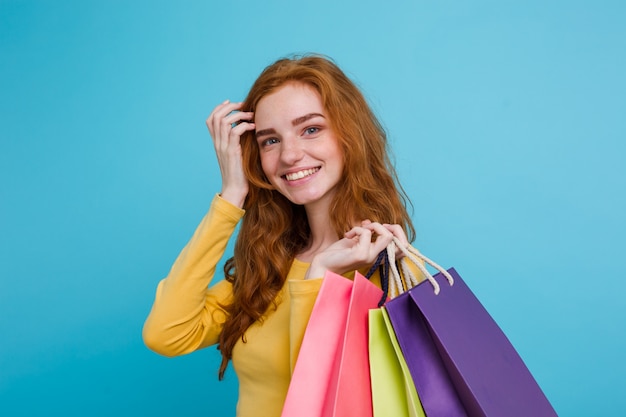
point(322, 232)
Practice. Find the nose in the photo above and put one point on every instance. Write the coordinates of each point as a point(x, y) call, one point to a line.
point(291, 150)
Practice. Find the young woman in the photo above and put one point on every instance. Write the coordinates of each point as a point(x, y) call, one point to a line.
point(305, 169)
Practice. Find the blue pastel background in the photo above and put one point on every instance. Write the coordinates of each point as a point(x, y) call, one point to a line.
point(508, 124)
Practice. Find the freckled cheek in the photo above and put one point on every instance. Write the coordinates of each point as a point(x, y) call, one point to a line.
point(268, 166)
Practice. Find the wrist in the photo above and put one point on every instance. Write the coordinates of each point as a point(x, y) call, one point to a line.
point(234, 197)
point(315, 270)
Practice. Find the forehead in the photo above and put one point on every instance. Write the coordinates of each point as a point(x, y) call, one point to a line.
point(288, 102)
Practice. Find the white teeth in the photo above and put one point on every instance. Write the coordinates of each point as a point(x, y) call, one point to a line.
point(301, 174)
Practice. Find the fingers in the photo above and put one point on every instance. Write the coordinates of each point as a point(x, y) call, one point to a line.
point(398, 232)
point(367, 249)
point(359, 248)
point(383, 235)
point(227, 123)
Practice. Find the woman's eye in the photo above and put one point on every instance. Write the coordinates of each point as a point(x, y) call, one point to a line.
point(269, 141)
point(311, 130)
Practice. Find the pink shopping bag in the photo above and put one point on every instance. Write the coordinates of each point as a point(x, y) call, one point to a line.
point(331, 376)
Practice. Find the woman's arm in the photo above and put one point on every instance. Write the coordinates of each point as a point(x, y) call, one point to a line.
point(186, 314)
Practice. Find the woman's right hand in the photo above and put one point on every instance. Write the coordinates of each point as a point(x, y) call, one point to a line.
point(358, 249)
point(226, 125)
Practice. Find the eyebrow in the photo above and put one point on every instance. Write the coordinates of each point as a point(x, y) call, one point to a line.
point(294, 122)
point(302, 119)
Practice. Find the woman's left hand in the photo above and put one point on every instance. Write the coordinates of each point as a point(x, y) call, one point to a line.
point(357, 249)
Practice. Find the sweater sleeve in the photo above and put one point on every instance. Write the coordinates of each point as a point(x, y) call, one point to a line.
point(187, 315)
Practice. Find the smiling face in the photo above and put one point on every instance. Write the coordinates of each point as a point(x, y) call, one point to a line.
point(299, 152)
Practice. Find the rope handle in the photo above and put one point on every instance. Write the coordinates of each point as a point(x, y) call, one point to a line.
point(382, 264)
point(396, 285)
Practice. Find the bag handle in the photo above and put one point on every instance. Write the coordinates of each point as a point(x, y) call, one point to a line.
point(393, 283)
point(416, 258)
point(381, 263)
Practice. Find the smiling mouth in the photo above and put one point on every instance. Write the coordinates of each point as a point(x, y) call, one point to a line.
point(300, 174)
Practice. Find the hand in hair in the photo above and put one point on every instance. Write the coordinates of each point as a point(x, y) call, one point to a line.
point(358, 249)
point(226, 125)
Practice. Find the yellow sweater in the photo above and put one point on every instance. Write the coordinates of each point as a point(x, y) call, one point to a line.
point(186, 315)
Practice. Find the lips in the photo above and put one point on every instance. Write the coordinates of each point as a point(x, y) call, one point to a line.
point(294, 176)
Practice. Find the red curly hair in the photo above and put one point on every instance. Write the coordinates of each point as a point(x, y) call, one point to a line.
point(274, 230)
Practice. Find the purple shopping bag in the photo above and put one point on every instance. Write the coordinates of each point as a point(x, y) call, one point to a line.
point(432, 383)
point(452, 343)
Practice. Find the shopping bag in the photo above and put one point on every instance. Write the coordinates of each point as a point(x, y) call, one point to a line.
point(459, 358)
point(317, 357)
point(393, 391)
point(350, 392)
point(430, 376)
point(436, 392)
point(331, 377)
